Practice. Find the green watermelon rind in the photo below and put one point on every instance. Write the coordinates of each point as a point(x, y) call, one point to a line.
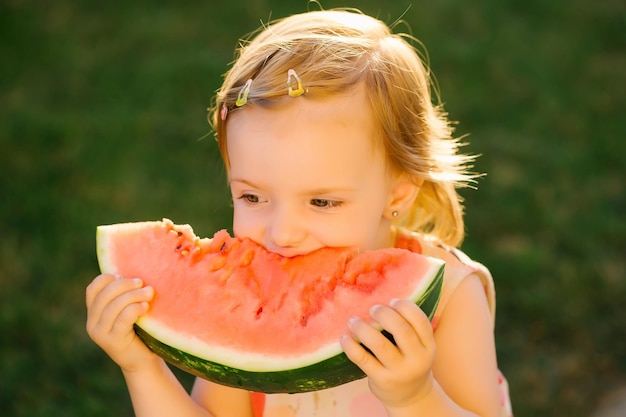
point(328, 373)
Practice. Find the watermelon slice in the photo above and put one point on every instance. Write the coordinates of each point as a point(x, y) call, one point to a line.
point(229, 311)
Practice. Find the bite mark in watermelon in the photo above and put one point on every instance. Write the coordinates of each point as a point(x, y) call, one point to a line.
point(227, 310)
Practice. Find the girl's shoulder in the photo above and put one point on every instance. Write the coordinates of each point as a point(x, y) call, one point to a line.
point(458, 266)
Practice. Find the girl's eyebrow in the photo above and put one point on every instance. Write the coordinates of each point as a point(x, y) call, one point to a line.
point(245, 182)
point(314, 191)
point(329, 190)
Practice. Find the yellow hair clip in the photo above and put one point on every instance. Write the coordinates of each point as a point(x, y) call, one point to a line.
point(291, 78)
point(242, 98)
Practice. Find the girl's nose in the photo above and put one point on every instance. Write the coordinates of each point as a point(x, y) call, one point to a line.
point(286, 229)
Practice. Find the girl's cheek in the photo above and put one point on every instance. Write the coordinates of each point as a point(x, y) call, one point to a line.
point(245, 227)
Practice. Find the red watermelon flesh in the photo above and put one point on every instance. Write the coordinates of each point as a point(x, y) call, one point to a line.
point(232, 302)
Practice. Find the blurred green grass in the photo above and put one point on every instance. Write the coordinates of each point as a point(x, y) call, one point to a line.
point(102, 107)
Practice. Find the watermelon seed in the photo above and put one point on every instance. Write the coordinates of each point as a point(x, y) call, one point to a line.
point(178, 247)
point(259, 311)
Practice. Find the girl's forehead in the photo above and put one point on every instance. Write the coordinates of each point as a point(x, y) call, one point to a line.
point(343, 113)
point(334, 135)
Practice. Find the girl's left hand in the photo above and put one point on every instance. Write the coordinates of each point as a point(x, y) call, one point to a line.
point(400, 374)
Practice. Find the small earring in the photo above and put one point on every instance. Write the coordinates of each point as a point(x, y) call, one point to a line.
point(394, 213)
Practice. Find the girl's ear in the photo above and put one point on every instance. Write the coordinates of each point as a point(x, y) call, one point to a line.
point(402, 196)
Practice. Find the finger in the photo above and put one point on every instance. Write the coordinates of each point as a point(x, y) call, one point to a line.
point(115, 322)
point(96, 286)
point(98, 294)
point(417, 321)
point(392, 322)
point(129, 315)
point(359, 355)
point(107, 288)
point(123, 310)
point(372, 339)
point(100, 314)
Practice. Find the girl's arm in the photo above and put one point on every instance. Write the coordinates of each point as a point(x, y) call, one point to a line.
point(222, 401)
point(465, 364)
point(157, 392)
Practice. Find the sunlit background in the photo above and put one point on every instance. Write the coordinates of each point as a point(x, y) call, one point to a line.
point(103, 120)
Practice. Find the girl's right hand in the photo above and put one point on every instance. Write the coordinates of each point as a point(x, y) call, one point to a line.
point(113, 305)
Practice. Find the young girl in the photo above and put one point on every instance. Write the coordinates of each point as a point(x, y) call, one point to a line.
point(330, 138)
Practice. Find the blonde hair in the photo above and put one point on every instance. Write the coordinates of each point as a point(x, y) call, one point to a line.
point(332, 51)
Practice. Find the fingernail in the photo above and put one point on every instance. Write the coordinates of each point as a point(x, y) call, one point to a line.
point(374, 309)
point(137, 282)
point(394, 302)
point(346, 338)
point(352, 321)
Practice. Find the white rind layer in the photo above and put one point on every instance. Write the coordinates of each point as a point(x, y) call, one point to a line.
point(234, 358)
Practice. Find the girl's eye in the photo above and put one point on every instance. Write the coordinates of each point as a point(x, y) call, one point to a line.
point(325, 204)
point(250, 198)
